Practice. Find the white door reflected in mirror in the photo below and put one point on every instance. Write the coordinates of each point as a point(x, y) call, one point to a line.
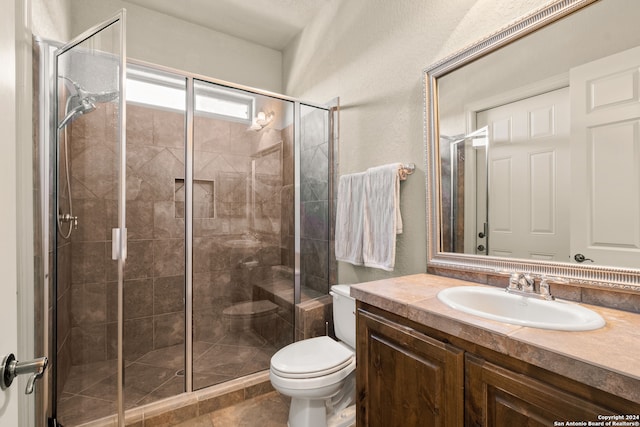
point(605, 154)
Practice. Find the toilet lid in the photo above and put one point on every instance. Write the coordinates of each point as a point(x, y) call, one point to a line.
point(311, 358)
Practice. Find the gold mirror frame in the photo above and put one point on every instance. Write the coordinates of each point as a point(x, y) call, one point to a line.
point(584, 275)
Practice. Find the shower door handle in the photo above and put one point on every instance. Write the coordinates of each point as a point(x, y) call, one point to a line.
point(11, 368)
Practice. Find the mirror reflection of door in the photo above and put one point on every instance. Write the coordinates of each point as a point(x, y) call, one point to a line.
point(460, 162)
point(468, 194)
point(528, 161)
point(478, 146)
point(605, 148)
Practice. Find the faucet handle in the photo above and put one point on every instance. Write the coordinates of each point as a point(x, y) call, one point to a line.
point(514, 281)
point(545, 292)
point(544, 285)
point(527, 282)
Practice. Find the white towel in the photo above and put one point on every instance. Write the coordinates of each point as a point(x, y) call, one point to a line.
point(382, 219)
point(349, 214)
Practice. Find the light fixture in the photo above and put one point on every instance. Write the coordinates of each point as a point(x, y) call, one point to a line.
point(261, 120)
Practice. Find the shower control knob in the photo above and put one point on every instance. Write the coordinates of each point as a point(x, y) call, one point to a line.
point(69, 218)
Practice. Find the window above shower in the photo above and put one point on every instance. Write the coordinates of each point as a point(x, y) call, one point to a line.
point(154, 88)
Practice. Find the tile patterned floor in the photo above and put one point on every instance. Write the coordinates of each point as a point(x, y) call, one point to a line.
point(268, 410)
point(90, 390)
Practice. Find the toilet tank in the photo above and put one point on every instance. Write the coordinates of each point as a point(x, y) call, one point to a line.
point(344, 314)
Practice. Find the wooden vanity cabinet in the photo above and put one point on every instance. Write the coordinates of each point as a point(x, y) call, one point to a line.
point(495, 396)
point(405, 378)
point(417, 376)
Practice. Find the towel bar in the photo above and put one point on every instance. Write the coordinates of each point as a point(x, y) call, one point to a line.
point(406, 170)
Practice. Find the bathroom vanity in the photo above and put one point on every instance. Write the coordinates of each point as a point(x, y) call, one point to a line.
point(420, 362)
point(510, 190)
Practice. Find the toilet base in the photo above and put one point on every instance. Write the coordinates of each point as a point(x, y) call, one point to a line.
point(328, 406)
point(307, 413)
point(317, 417)
point(344, 418)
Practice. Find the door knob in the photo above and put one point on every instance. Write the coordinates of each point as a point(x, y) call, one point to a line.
point(481, 248)
point(11, 368)
point(581, 258)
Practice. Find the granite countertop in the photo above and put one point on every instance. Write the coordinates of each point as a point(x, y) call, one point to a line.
point(607, 358)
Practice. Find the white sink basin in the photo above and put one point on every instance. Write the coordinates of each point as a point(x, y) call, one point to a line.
point(497, 304)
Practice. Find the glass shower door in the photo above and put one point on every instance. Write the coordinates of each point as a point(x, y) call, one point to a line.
point(241, 198)
point(316, 205)
point(154, 285)
point(88, 242)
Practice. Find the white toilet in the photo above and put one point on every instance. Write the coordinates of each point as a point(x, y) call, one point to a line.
point(319, 373)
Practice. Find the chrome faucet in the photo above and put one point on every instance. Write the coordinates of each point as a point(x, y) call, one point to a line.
point(524, 284)
point(521, 282)
point(527, 283)
point(514, 282)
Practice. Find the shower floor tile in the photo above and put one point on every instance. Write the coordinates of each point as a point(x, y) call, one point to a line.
point(80, 409)
point(90, 390)
point(172, 357)
point(82, 377)
point(233, 360)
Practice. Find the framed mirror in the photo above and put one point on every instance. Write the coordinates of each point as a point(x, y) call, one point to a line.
point(533, 148)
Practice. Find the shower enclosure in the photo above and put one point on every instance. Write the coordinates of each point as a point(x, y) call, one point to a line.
point(187, 218)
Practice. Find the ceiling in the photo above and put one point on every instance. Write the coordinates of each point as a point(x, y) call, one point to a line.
point(271, 23)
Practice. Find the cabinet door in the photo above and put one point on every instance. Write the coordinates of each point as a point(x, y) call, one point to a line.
point(405, 378)
point(499, 397)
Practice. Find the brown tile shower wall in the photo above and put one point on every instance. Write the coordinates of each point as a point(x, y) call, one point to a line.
point(64, 288)
point(63, 309)
point(224, 270)
point(154, 281)
point(150, 265)
point(154, 274)
point(314, 193)
point(287, 236)
point(319, 268)
point(314, 315)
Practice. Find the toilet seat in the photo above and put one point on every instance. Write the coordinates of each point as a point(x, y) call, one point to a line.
point(312, 388)
point(311, 358)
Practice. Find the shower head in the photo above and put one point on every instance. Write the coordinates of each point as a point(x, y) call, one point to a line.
point(99, 96)
point(82, 106)
point(83, 101)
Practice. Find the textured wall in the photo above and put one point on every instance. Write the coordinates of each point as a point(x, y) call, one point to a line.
point(371, 53)
point(186, 46)
point(51, 19)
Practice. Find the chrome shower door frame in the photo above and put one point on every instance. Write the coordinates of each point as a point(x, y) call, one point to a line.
point(119, 246)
